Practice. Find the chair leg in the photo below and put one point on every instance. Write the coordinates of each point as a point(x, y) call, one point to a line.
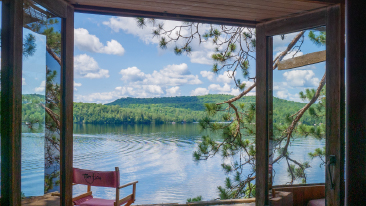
point(129, 203)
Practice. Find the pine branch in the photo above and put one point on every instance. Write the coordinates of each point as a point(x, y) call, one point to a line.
point(301, 112)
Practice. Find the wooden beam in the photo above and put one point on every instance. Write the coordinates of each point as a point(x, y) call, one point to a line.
point(356, 103)
point(324, 1)
point(11, 101)
point(66, 112)
point(335, 104)
point(303, 60)
point(264, 100)
point(57, 7)
point(220, 202)
point(161, 15)
point(285, 6)
point(296, 23)
point(189, 7)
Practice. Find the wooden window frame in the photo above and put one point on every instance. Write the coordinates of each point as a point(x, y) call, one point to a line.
point(333, 18)
point(11, 95)
point(12, 23)
point(11, 104)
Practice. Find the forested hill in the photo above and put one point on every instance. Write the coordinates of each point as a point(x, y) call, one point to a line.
point(155, 110)
point(172, 109)
point(186, 102)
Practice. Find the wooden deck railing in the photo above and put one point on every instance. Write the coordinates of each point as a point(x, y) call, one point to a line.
point(212, 202)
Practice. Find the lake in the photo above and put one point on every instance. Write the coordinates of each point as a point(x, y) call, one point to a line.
point(158, 156)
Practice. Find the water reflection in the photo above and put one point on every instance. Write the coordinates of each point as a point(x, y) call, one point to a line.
point(158, 156)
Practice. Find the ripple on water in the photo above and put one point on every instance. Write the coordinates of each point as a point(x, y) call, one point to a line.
point(159, 157)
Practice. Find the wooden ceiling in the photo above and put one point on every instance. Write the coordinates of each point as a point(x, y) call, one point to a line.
point(245, 11)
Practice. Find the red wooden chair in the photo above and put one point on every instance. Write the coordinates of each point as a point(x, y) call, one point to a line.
point(101, 179)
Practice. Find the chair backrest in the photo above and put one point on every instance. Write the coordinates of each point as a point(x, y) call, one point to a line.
point(96, 178)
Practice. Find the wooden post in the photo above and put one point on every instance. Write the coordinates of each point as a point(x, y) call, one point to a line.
point(11, 101)
point(263, 112)
point(356, 103)
point(335, 104)
point(117, 188)
point(66, 113)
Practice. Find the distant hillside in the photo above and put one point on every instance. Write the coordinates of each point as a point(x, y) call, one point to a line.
point(191, 108)
point(155, 110)
point(185, 102)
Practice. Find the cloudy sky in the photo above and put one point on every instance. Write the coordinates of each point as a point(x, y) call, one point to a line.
point(115, 58)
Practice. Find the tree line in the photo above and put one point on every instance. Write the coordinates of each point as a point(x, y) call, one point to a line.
point(144, 111)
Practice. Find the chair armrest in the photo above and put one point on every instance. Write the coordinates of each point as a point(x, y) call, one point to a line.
point(128, 184)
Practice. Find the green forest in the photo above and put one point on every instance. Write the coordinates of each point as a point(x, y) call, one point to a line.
point(156, 110)
point(172, 109)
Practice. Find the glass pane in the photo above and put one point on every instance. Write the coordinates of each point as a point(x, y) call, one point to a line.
point(298, 142)
point(41, 98)
point(148, 125)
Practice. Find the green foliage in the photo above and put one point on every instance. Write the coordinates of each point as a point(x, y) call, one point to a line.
point(51, 180)
point(29, 45)
point(298, 172)
point(195, 199)
point(180, 109)
point(163, 43)
point(47, 28)
point(148, 110)
point(318, 153)
point(318, 38)
point(141, 22)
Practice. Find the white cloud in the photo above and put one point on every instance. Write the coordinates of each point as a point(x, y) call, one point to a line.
point(86, 67)
point(301, 78)
point(129, 25)
point(76, 85)
point(226, 89)
point(88, 42)
point(173, 91)
point(278, 86)
point(307, 67)
point(171, 75)
point(279, 44)
point(201, 52)
point(295, 98)
point(140, 91)
point(103, 97)
point(23, 82)
point(199, 91)
point(289, 55)
point(132, 74)
point(226, 77)
point(217, 88)
point(282, 94)
point(153, 89)
point(209, 75)
point(41, 88)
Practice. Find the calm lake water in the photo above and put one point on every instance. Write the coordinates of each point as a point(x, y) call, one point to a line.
point(158, 156)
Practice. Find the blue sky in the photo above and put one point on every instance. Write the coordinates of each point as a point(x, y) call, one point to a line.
point(114, 58)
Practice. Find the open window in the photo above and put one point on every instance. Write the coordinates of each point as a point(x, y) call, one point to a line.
point(278, 142)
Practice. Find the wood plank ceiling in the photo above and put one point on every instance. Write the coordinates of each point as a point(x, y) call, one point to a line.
point(245, 10)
